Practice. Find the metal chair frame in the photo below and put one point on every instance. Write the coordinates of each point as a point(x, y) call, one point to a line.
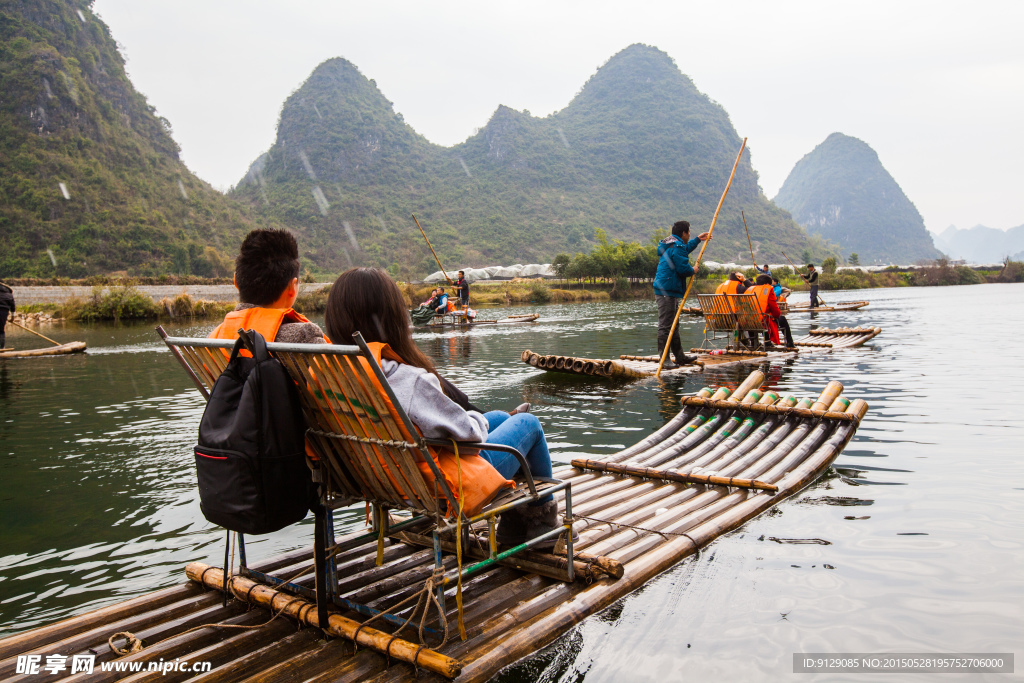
point(354, 432)
point(732, 314)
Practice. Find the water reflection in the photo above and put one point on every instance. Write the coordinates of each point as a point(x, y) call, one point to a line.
point(99, 495)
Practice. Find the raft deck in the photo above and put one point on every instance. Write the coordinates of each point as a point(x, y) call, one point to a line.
point(821, 340)
point(799, 308)
point(646, 523)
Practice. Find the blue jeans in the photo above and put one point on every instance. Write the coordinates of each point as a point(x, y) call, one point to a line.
point(524, 433)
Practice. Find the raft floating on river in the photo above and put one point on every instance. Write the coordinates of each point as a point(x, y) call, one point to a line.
point(459, 321)
point(636, 508)
point(821, 340)
point(70, 347)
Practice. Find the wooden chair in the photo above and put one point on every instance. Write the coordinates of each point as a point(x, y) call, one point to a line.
point(734, 315)
point(368, 450)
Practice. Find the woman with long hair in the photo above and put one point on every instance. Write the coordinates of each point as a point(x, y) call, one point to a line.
point(368, 301)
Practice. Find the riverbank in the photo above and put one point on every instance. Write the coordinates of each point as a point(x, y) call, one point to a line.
point(127, 301)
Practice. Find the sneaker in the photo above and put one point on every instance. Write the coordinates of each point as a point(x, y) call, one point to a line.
point(522, 408)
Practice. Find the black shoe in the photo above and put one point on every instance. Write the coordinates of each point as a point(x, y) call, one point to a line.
point(511, 529)
point(669, 365)
point(527, 522)
point(683, 359)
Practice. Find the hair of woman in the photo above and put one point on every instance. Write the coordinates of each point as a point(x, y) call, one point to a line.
point(367, 300)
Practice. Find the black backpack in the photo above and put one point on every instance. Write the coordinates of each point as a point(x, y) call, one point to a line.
point(251, 459)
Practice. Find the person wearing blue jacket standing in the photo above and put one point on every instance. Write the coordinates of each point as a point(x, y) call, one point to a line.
point(670, 286)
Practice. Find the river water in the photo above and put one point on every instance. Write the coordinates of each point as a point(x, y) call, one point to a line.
point(923, 512)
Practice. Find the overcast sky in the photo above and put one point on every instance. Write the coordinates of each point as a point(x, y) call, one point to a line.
point(936, 88)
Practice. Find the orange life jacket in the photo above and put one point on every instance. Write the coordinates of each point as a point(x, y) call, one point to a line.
point(763, 293)
point(727, 287)
point(480, 481)
point(266, 321)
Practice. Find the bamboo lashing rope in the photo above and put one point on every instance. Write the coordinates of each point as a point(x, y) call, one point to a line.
point(689, 285)
point(35, 333)
point(443, 271)
point(752, 259)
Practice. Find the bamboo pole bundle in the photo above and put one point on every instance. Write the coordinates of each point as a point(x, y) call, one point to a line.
point(562, 615)
point(676, 519)
point(671, 475)
point(732, 352)
point(785, 438)
point(770, 410)
point(305, 612)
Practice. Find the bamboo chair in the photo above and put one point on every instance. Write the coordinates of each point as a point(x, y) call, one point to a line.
point(734, 315)
point(355, 433)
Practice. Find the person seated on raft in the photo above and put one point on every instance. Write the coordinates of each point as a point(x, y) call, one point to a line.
point(774, 320)
point(267, 280)
point(736, 283)
point(431, 301)
point(781, 293)
point(367, 300)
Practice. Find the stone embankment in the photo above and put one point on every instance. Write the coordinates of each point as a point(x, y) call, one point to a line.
point(24, 296)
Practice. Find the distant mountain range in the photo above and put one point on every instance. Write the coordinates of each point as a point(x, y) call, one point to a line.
point(841, 191)
point(90, 178)
point(638, 148)
point(981, 244)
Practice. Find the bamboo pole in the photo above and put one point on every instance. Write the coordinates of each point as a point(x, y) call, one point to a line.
point(749, 244)
point(443, 271)
point(35, 333)
point(337, 625)
point(671, 475)
point(689, 285)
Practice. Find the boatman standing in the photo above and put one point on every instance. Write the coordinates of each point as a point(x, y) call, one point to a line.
point(6, 308)
point(462, 288)
point(670, 286)
point(812, 279)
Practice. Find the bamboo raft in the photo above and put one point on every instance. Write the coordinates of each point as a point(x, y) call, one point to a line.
point(725, 458)
point(822, 340)
point(461, 322)
point(62, 349)
point(839, 306)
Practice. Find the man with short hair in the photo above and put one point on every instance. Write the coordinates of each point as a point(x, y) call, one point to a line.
point(812, 279)
point(764, 270)
point(670, 286)
point(267, 279)
point(462, 288)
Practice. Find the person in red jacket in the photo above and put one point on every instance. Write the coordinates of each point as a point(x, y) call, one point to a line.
point(773, 318)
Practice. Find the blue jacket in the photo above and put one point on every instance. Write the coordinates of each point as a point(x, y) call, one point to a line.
point(674, 266)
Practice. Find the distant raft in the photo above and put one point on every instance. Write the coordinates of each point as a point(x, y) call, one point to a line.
point(461, 322)
point(821, 340)
point(63, 349)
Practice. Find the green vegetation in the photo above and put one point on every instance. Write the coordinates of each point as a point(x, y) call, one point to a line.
point(90, 180)
point(842, 192)
point(638, 148)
